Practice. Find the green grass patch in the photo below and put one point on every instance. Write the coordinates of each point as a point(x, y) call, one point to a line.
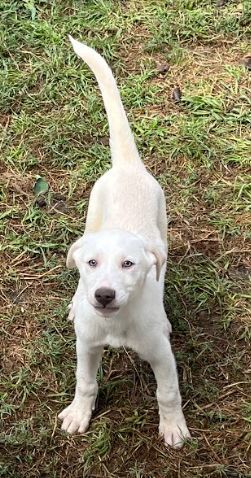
point(53, 125)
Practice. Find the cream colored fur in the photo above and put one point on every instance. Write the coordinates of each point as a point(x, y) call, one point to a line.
point(126, 221)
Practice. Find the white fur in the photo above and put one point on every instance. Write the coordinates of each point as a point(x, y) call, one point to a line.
point(126, 221)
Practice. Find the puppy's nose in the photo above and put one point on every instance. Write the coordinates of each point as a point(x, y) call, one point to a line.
point(104, 295)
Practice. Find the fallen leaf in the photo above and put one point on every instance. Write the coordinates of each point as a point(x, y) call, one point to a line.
point(163, 69)
point(41, 186)
point(176, 94)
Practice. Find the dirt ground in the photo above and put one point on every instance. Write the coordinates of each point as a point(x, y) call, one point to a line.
point(183, 69)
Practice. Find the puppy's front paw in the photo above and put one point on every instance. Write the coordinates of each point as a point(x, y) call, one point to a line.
point(75, 418)
point(174, 431)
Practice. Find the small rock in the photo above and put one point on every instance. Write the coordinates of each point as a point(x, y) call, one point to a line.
point(163, 69)
point(247, 62)
point(41, 202)
point(176, 94)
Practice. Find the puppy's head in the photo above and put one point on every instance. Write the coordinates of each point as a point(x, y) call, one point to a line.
point(113, 266)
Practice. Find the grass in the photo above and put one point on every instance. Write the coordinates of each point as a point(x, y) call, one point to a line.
point(53, 125)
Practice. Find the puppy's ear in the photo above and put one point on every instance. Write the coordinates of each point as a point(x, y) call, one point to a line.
point(159, 259)
point(70, 260)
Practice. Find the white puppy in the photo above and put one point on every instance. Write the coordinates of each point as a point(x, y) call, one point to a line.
point(121, 259)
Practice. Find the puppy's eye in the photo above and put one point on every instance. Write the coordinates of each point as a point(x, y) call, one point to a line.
point(127, 264)
point(92, 263)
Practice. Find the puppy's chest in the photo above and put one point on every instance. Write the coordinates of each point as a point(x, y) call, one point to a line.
point(118, 340)
point(120, 335)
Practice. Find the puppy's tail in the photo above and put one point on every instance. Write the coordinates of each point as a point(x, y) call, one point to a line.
point(123, 147)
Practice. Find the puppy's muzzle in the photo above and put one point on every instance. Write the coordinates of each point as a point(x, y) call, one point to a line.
point(104, 296)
